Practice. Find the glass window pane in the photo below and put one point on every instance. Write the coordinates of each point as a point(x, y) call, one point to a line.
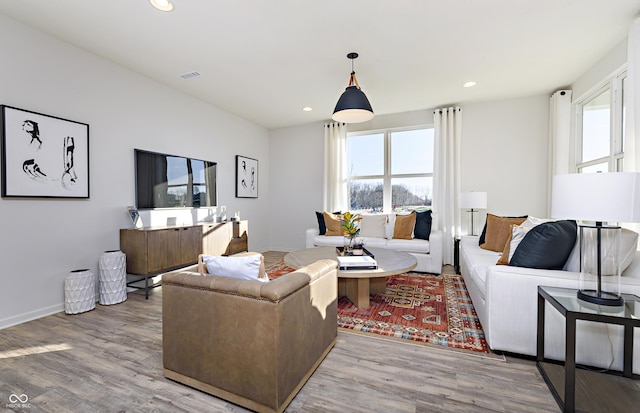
point(596, 127)
point(411, 193)
point(365, 155)
point(412, 152)
point(365, 195)
point(600, 167)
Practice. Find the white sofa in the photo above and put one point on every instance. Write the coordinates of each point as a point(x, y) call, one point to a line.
point(505, 300)
point(428, 253)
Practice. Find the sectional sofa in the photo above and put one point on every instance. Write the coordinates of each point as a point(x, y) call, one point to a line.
point(505, 300)
point(419, 239)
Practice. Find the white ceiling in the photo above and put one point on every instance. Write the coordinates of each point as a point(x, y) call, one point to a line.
point(266, 59)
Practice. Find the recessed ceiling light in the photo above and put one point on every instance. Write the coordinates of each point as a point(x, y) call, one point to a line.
point(469, 84)
point(164, 5)
point(307, 109)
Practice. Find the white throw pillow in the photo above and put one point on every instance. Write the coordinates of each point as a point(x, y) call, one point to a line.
point(388, 227)
point(517, 235)
point(531, 222)
point(373, 226)
point(241, 268)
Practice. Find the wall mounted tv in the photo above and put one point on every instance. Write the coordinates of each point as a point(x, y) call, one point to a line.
point(169, 181)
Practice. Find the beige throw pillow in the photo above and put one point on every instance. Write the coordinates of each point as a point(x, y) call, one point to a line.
point(403, 228)
point(333, 223)
point(498, 231)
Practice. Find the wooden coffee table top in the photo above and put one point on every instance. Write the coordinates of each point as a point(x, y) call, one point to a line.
point(389, 262)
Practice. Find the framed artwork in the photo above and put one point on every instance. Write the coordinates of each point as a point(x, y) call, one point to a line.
point(246, 177)
point(43, 156)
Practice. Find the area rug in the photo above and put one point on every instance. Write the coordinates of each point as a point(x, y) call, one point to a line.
point(419, 308)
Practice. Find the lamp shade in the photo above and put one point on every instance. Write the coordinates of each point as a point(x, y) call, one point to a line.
point(600, 197)
point(352, 107)
point(472, 200)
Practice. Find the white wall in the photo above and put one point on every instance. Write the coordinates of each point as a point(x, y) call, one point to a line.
point(296, 179)
point(598, 73)
point(43, 239)
point(504, 152)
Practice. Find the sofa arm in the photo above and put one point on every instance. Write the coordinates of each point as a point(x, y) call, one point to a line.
point(311, 233)
point(435, 246)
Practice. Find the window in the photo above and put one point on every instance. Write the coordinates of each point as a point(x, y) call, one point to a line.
point(390, 170)
point(601, 127)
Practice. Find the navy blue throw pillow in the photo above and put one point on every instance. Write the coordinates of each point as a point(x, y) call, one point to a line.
point(546, 246)
point(422, 229)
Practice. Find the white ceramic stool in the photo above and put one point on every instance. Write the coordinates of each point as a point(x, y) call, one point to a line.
point(79, 291)
point(113, 277)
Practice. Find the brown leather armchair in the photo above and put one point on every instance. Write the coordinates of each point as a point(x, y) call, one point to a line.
point(251, 343)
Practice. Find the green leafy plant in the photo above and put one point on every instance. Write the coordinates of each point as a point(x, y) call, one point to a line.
point(350, 224)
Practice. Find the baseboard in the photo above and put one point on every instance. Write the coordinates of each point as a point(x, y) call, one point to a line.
point(31, 315)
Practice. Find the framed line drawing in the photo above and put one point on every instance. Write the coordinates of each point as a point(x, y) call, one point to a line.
point(246, 177)
point(43, 156)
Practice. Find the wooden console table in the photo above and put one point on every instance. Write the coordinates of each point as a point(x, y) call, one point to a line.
point(153, 250)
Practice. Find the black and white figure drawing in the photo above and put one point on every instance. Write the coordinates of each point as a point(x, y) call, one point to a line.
point(43, 156)
point(246, 177)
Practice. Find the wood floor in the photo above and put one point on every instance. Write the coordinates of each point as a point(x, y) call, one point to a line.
point(110, 360)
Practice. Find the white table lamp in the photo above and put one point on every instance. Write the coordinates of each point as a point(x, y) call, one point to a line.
point(472, 201)
point(602, 198)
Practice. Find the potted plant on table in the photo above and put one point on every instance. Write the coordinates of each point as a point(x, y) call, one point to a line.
point(351, 229)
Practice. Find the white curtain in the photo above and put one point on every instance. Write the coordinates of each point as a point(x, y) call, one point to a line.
point(335, 167)
point(446, 174)
point(560, 161)
point(632, 96)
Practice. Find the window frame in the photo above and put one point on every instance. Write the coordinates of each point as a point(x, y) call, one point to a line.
point(615, 159)
point(387, 177)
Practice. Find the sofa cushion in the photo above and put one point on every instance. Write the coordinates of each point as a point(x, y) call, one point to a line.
point(328, 241)
point(409, 245)
point(498, 230)
point(333, 223)
point(422, 229)
point(375, 242)
point(321, 225)
point(373, 226)
point(238, 267)
point(403, 227)
point(546, 246)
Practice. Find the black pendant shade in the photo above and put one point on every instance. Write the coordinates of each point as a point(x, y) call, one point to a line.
point(353, 105)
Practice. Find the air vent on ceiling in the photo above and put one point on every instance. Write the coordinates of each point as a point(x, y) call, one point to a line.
point(190, 75)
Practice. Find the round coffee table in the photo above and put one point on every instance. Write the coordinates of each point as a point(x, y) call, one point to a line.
point(356, 285)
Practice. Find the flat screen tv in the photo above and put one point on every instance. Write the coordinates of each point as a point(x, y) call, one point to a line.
point(169, 181)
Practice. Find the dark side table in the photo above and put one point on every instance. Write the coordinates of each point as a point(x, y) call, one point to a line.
point(565, 301)
point(456, 254)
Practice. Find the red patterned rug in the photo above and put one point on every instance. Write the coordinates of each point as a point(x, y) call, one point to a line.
point(422, 308)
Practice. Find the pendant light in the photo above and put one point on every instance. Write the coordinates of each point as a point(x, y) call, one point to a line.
point(353, 105)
